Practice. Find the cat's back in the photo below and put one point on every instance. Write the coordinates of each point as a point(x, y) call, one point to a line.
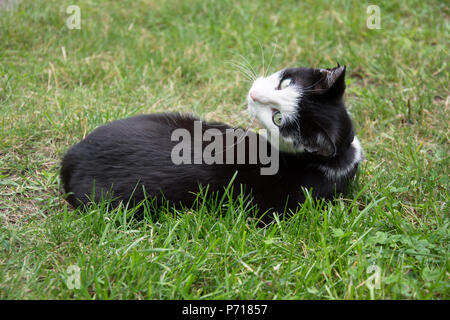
point(137, 132)
point(141, 126)
point(126, 152)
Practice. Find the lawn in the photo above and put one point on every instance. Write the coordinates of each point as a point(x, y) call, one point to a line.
point(387, 239)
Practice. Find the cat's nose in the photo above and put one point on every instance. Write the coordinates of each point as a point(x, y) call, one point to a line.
point(253, 96)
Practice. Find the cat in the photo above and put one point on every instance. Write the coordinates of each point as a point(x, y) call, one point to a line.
point(303, 111)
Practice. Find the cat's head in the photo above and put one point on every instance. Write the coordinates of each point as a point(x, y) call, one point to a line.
point(305, 107)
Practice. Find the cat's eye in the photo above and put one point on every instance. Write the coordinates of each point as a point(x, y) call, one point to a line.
point(285, 83)
point(277, 118)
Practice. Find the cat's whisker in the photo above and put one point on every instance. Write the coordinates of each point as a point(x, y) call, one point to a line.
point(313, 91)
point(305, 89)
point(239, 140)
point(271, 58)
point(249, 65)
point(246, 72)
point(262, 56)
point(246, 63)
point(249, 71)
point(297, 124)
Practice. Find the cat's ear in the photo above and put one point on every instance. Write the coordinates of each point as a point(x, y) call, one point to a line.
point(322, 145)
point(334, 80)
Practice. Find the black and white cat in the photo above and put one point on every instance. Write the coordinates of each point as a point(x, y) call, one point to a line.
point(302, 108)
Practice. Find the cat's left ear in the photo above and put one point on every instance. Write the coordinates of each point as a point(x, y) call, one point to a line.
point(322, 145)
point(334, 80)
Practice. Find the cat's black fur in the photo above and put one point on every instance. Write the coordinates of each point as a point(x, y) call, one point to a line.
point(126, 155)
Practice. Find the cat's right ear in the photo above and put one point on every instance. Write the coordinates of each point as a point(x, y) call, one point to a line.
point(333, 81)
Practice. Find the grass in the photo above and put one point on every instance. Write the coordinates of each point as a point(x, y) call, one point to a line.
point(132, 57)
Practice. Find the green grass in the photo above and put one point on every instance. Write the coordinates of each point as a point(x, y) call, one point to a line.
point(132, 57)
